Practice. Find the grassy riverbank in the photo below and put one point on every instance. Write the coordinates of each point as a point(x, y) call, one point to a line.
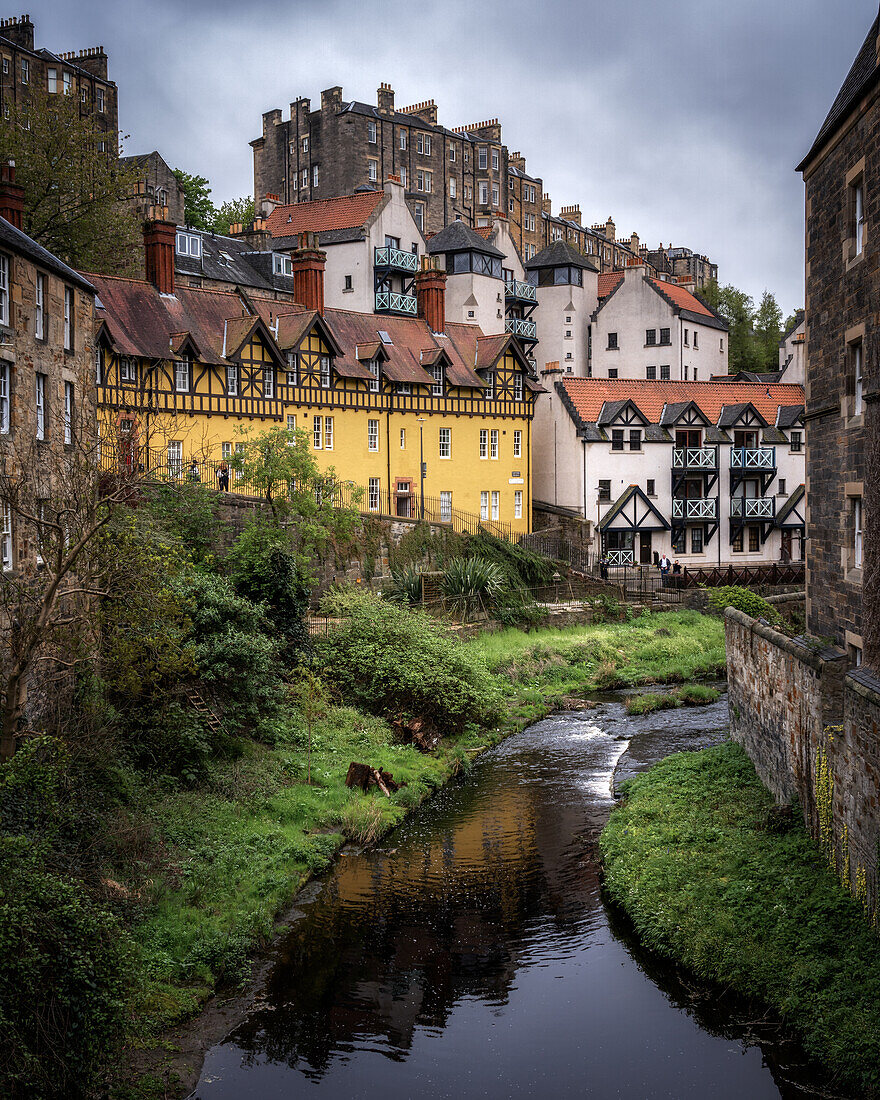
point(713, 879)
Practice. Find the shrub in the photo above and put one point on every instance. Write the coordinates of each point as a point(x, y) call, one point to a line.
point(471, 583)
point(188, 510)
point(406, 585)
point(389, 660)
point(743, 599)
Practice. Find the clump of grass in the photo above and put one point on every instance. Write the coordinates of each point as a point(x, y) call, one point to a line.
point(649, 701)
point(362, 819)
point(697, 695)
point(690, 857)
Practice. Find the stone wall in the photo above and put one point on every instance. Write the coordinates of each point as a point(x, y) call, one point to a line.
point(811, 729)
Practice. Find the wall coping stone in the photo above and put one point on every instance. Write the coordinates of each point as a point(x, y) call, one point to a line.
point(797, 647)
point(865, 684)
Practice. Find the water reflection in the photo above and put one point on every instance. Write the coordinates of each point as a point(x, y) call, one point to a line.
point(473, 956)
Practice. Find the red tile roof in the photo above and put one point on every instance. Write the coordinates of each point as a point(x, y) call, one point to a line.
point(588, 395)
point(485, 231)
point(608, 282)
point(343, 212)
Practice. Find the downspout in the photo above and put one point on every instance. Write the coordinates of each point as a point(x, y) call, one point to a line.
point(388, 452)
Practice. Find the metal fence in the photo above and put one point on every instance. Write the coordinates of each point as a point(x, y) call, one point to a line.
point(573, 554)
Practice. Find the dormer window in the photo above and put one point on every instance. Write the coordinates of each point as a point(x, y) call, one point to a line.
point(374, 375)
point(232, 380)
point(189, 244)
point(437, 385)
point(281, 264)
point(292, 369)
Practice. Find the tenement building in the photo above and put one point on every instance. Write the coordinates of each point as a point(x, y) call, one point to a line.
point(406, 407)
point(80, 73)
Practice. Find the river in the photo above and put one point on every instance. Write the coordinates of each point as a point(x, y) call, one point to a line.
point(471, 953)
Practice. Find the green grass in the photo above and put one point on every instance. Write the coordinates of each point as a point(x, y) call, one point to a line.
point(688, 695)
point(692, 855)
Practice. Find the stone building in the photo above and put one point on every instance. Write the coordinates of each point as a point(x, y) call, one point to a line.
point(681, 263)
point(47, 365)
point(157, 185)
point(82, 73)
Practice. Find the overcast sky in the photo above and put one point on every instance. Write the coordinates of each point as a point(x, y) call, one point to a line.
point(682, 119)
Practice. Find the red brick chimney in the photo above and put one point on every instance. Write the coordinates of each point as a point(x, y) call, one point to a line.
point(159, 249)
point(431, 294)
point(11, 195)
point(308, 263)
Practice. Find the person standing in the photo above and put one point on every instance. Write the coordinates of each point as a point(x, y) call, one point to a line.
point(223, 477)
point(193, 472)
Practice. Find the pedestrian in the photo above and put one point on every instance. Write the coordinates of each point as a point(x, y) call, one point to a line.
point(603, 567)
point(676, 573)
point(223, 478)
point(193, 472)
point(665, 566)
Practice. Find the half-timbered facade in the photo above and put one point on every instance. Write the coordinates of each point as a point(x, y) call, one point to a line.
point(707, 472)
point(182, 375)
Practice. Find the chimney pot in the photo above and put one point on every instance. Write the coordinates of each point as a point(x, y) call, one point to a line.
point(308, 263)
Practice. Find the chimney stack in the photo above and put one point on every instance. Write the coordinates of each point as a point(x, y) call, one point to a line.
point(385, 99)
point(11, 195)
point(431, 294)
point(159, 249)
point(308, 263)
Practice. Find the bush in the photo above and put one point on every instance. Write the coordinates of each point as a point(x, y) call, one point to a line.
point(471, 583)
point(406, 585)
point(188, 511)
point(389, 660)
point(743, 599)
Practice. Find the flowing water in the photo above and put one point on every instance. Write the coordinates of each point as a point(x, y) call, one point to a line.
point(471, 955)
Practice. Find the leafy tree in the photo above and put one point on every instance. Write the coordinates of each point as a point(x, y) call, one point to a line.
point(77, 192)
point(738, 310)
point(198, 210)
point(768, 321)
point(231, 212)
point(791, 320)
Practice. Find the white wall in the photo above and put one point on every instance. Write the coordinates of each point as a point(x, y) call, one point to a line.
point(555, 305)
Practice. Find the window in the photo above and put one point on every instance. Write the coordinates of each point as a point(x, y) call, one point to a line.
point(650, 337)
point(291, 423)
point(857, 202)
point(737, 544)
point(517, 503)
point(437, 385)
point(25, 70)
point(41, 406)
point(5, 536)
point(317, 432)
point(5, 64)
point(617, 439)
point(423, 143)
point(754, 539)
point(373, 493)
point(796, 442)
point(188, 244)
point(664, 336)
point(304, 178)
point(721, 345)
point(452, 152)
point(292, 369)
point(402, 171)
point(452, 187)
point(496, 198)
point(175, 457)
point(517, 443)
point(419, 215)
point(696, 540)
point(781, 489)
point(855, 371)
point(489, 392)
point(517, 387)
point(482, 157)
point(371, 132)
point(52, 80)
point(484, 442)
point(232, 380)
point(484, 193)
point(281, 264)
point(40, 308)
point(68, 319)
point(445, 506)
point(4, 290)
point(664, 374)
point(372, 435)
point(612, 372)
point(127, 371)
point(374, 375)
point(268, 381)
point(650, 373)
point(696, 348)
point(314, 175)
point(68, 413)
point(856, 521)
point(495, 160)
point(496, 504)
point(404, 388)
point(686, 344)
point(328, 433)
point(635, 439)
point(652, 487)
point(68, 83)
point(99, 99)
point(305, 144)
point(403, 139)
point(484, 504)
point(445, 442)
point(605, 490)
point(403, 439)
point(99, 365)
point(373, 170)
point(612, 341)
point(493, 443)
point(325, 372)
point(183, 374)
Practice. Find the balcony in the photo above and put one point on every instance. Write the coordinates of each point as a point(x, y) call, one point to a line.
point(748, 508)
point(753, 459)
point(621, 557)
point(389, 301)
point(526, 330)
point(695, 510)
point(695, 458)
point(394, 259)
point(520, 292)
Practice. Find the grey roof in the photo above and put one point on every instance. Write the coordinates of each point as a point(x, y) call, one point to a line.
point(796, 323)
point(755, 376)
point(654, 433)
point(785, 511)
point(863, 72)
point(789, 415)
point(458, 237)
point(716, 435)
point(770, 434)
point(731, 413)
point(674, 410)
point(559, 254)
point(26, 246)
point(232, 260)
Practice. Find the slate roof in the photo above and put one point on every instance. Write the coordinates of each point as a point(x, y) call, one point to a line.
point(458, 237)
point(324, 215)
point(790, 415)
point(862, 74)
point(620, 504)
point(587, 396)
point(560, 254)
point(21, 243)
point(796, 323)
point(232, 260)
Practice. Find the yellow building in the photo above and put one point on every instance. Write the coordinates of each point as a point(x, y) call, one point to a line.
point(181, 371)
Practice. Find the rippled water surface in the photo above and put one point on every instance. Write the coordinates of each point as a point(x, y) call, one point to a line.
point(472, 956)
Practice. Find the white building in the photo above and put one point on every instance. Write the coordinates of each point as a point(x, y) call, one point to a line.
point(566, 285)
point(792, 349)
point(645, 327)
point(709, 472)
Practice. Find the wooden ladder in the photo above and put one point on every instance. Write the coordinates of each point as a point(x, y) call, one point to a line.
point(197, 702)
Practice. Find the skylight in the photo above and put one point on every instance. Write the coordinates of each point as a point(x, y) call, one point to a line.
point(384, 337)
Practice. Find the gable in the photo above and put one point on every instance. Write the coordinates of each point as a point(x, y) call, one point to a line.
point(633, 511)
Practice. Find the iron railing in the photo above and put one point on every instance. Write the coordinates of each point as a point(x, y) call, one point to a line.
point(753, 458)
point(396, 259)
point(753, 508)
point(554, 546)
point(695, 458)
point(408, 505)
point(528, 330)
point(389, 301)
point(753, 576)
point(519, 291)
point(697, 508)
